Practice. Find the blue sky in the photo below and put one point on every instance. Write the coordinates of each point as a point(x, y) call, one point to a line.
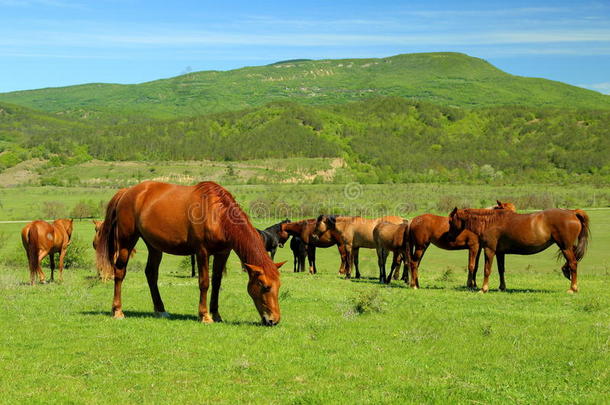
point(45, 43)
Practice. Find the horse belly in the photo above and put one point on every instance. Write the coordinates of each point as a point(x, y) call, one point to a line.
point(522, 249)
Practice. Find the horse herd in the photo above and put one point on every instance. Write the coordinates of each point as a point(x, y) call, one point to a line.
point(204, 220)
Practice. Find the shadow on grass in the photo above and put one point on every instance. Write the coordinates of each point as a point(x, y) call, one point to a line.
point(508, 290)
point(172, 317)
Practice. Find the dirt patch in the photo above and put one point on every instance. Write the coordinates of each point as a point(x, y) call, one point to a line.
point(22, 173)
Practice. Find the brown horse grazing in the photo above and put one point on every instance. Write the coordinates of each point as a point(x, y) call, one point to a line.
point(304, 230)
point(203, 220)
point(502, 232)
point(40, 239)
point(393, 238)
point(351, 232)
point(426, 229)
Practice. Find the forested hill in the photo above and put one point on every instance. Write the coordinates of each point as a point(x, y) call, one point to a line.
point(383, 139)
point(446, 79)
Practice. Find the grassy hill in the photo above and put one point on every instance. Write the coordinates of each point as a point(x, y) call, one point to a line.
point(449, 79)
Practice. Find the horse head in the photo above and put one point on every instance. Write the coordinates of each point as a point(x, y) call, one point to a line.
point(457, 222)
point(282, 234)
point(324, 223)
point(505, 206)
point(263, 286)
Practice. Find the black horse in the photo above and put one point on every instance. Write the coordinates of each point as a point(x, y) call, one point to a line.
point(299, 251)
point(274, 237)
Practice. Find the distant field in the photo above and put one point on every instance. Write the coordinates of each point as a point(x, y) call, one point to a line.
point(339, 341)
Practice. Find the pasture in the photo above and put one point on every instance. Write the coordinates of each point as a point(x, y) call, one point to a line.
point(339, 341)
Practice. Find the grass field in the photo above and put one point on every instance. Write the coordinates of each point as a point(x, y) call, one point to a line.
point(339, 341)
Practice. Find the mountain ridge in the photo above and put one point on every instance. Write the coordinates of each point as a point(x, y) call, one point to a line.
point(443, 78)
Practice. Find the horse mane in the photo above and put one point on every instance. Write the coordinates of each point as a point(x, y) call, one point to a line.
point(480, 219)
point(277, 227)
point(237, 228)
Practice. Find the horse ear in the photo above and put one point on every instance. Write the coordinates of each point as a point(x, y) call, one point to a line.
point(499, 203)
point(280, 264)
point(453, 212)
point(253, 269)
point(332, 221)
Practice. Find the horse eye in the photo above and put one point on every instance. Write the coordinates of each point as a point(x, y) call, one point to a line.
point(265, 288)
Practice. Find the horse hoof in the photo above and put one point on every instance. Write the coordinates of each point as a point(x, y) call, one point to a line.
point(206, 319)
point(119, 315)
point(570, 291)
point(162, 314)
point(216, 318)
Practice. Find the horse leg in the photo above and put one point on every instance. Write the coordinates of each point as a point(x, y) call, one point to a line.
point(192, 265)
point(52, 263)
point(343, 255)
point(473, 254)
point(273, 252)
point(311, 257)
point(152, 276)
point(295, 260)
point(473, 280)
point(220, 261)
point(203, 264)
point(395, 268)
point(501, 257)
point(62, 256)
point(381, 263)
point(355, 252)
point(570, 269)
point(41, 277)
point(120, 268)
point(395, 271)
point(489, 259)
point(418, 255)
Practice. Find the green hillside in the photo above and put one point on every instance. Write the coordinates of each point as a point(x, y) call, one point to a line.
point(448, 79)
point(382, 139)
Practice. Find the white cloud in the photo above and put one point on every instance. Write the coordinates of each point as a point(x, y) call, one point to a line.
point(601, 87)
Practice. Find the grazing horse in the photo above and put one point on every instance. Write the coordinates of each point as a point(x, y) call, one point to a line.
point(352, 233)
point(299, 251)
point(393, 238)
point(40, 239)
point(203, 220)
point(427, 228)
point(273, 237)
point(502, 232)
point(304, 230)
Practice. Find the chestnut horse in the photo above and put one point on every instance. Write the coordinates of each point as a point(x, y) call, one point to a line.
point(40, 239)
point(304, 230)
point(427, 228)
point(203, 220)
point(502, 232)
point(352, 233)
point(393, 238)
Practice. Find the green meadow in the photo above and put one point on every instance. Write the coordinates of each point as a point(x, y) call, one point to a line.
point(339, 341)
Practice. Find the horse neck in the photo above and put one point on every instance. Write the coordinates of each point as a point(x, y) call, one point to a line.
point(248, 246)
point(294, 228)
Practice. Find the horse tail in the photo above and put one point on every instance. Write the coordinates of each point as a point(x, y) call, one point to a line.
point(107, 242)
point(32, 248)
point(583, 237)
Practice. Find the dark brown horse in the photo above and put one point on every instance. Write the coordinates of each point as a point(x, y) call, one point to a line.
point(433, 229)
point(304, 230)
point(40, 239)
point(502, 232)
point(203, 220)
